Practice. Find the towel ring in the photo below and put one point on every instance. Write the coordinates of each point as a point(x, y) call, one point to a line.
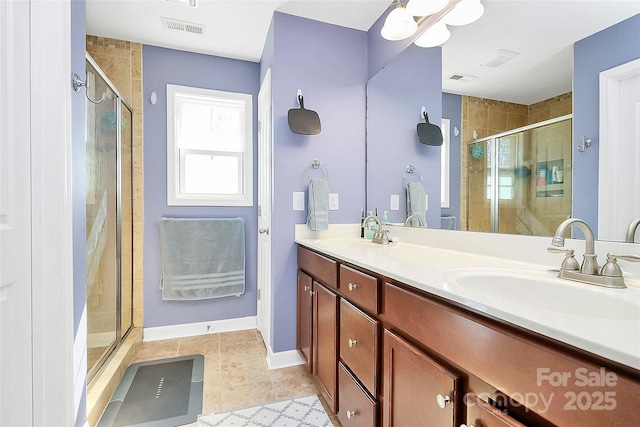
point(409, 170)
point(315, 165)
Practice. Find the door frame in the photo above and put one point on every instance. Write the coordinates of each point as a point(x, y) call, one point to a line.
point(611, 147)
point(265, 139)
point(52, 213)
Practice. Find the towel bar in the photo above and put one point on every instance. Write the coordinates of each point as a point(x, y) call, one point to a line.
point(315, 165)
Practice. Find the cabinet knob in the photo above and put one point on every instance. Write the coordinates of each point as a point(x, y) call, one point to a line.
point(352, 286)
point(311, 292)
point(306, 288)
point(464, 425)
point(443, 401)
point(351, 414)
point(352, 342)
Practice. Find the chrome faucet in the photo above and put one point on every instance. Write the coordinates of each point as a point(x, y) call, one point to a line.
point(379, 236)
point(609, 276)
point(631, 232)
point(589, 262)
point(407, 222)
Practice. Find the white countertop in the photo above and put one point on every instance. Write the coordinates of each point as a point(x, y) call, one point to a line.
point(603, 321)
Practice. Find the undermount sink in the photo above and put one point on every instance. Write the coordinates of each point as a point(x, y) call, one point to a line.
point(533, 289)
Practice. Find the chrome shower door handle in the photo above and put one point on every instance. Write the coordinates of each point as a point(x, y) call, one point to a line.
point(263, 231)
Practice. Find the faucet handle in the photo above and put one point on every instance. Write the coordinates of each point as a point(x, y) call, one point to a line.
point(570, 262)
point(611, 268)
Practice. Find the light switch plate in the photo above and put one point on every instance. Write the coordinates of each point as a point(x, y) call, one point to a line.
point(395, 202)
point(298, 200)
point(333, 201)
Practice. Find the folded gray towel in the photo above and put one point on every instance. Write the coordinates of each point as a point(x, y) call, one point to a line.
point(318, 212)
point(448, 222)
point(202, 258)
point(416, 202)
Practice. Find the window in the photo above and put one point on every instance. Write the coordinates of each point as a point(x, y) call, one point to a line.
point(445, 164)
point(209, 147)
point(506, 182)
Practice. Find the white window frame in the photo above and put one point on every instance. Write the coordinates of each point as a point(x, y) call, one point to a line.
point(445, 164)
point(175, 157)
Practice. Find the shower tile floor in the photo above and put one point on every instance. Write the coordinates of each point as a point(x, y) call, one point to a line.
point(235, 370)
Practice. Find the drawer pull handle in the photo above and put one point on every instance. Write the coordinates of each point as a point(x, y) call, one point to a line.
point(351, 414)
point(443, 401)
point(352, 342)
point(353, 286)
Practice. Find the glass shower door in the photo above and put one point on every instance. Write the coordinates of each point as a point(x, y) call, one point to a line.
point(102, 269)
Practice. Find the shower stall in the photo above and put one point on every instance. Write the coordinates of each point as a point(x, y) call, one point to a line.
point(519, 182)
point(109, 217)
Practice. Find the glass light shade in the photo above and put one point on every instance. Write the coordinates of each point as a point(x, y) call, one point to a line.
point(425, 7)
point(465, 12)
point(434, 35)
point(398, 25)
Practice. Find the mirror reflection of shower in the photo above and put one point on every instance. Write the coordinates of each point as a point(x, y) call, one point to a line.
point(109, 277)
point(519, 182)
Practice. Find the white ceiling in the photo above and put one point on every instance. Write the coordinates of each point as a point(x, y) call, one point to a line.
point(542, 31)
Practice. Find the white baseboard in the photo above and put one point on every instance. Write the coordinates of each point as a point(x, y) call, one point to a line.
point(201, 328)
point(283, 359)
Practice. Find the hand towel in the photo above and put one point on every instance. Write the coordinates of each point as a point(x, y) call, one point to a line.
point(318, 212)
point(416, 202)
point(448, 222)
point(202, 258)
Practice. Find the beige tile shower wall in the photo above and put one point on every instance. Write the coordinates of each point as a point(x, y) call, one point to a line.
point(488, 117)
point(122, 63)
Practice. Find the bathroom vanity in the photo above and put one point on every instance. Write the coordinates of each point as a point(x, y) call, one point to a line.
point(393, 338)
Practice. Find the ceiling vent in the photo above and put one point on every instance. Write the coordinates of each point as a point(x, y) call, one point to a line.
point(501, 57)
point(183, 26)
point(461, 77)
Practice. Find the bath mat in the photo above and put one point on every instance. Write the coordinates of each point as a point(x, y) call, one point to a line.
point(304, 411)
point(159, 393)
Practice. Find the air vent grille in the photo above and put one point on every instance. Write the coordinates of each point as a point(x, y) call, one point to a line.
point(501, 57)
point(183, 26)
point(461, 77)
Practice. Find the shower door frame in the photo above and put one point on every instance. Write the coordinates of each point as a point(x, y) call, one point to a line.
point(119, 334)
point(495, 175)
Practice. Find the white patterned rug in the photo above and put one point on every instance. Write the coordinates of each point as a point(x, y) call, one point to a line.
point(304, 411)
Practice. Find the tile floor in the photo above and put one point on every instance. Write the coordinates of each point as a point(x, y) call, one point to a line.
point(235, 371)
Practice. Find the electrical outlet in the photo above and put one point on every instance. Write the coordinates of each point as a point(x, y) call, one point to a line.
point(395, 202)
point(333, 201)
point(298, 200)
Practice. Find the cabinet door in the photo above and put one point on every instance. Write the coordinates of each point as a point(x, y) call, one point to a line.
point(305, 307)
point(325, 343)
point(481, 414)
point(417, 390)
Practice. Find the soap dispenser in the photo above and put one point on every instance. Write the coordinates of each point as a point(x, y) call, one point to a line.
point(385, 218)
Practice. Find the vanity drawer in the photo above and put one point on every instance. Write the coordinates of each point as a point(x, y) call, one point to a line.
point(360, 288)
point(357, 408)
point(359, 344)
point(322, 268)
point(481, 414)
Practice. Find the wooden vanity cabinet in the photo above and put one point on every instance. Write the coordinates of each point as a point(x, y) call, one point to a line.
point(325, 343)
point(304, 332)
point(482, 414)
point(417, 390)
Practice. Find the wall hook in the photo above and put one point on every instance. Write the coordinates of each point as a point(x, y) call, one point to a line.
point(586, 143)
point(79, 83)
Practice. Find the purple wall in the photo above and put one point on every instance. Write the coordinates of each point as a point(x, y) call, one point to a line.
point(394, 98)
point(167, 66)
point(452, 110)
point(329, 64)
point(609, 48)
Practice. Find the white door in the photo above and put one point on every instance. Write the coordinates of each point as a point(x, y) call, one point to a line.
point(264, 209)
point(619, 155)
point(16, 351)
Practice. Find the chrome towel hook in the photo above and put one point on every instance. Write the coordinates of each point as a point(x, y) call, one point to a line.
point(78, 83)
point(586, 143)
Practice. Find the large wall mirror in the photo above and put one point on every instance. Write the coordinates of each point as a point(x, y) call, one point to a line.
point(525, 65)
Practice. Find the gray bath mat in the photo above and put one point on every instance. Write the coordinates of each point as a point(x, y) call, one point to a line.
point(158, 393)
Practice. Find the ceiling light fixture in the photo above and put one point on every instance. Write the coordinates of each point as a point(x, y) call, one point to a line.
point(402, 21)
point(399, 23)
